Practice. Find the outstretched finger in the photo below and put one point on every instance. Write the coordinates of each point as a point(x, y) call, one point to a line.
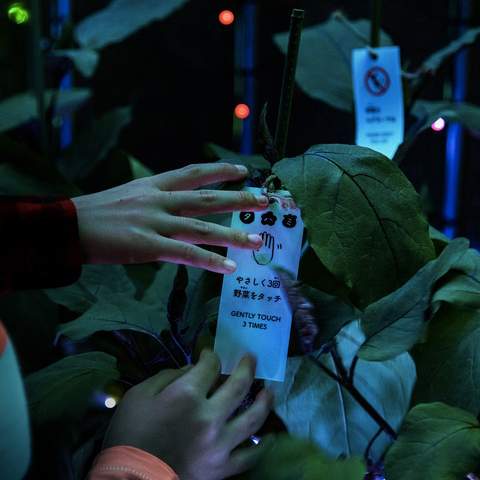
point(199, 175)
point(203, 376)
point(205, 233)
point(231, 394)
point(202, 202)
point(175, 251)
point(156, 383)
point(250, 421)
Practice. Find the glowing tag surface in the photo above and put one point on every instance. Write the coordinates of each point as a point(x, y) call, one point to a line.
point(378, 91)
point(254, 315)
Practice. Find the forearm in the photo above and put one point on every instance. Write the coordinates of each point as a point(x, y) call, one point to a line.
point(39, 243)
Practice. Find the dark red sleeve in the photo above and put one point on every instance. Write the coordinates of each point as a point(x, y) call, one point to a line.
point(39, 243)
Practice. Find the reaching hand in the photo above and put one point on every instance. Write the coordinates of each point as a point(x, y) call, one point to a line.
point(179, 417)
point(264, 255)
point(148, 219)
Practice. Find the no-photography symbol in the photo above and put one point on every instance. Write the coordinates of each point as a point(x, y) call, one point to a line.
point(377, 81)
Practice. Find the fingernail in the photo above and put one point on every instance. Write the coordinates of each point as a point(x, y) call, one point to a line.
point(253, 238)
point(262, 200)
point(242, 169)
point(230, 265)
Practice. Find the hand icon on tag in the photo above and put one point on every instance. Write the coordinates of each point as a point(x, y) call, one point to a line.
point(264, 255)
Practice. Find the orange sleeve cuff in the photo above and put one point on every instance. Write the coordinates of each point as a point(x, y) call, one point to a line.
point(129, 463)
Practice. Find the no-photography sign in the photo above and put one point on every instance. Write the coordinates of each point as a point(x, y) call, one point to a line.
point(377, 81)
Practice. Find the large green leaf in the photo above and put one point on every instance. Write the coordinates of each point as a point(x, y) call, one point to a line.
point(159, 290)
point(63, 390)
point(448, 363)
point(95, 283)
point(439, 240)
point(120, 19)
point(470, 263)
point(460, 290)
point(363, 217)
point(250, 161)
point(314, 406)
point(324, 61)
point(92, 145)
point(396, 322)
point(22, 108)
point(84, 59)
point(436, 442)
point(315, 274)
point(116, 312)
point(294, 459)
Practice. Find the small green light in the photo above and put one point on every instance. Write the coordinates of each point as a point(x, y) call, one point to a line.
point(18, 13)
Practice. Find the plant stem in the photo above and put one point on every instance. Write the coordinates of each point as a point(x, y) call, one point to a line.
point(357, 395)
point(288, 84)
point(371, 443)
point(39, 73)
point(376, 21)
point(353, 366)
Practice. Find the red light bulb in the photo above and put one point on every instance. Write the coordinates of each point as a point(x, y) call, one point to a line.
point(226, 17)
point(242, 111)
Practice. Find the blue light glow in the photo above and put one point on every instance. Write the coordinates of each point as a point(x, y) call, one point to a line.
point(454, 147)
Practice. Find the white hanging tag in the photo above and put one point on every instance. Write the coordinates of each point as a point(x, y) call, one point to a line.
point(254, 315)
point(378, 91)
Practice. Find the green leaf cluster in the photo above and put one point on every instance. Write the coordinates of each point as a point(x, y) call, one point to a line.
point(397, 306)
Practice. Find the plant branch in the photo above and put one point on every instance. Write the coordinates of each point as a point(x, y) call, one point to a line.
point(353, 366)
point(288, 85)
point(354, 392)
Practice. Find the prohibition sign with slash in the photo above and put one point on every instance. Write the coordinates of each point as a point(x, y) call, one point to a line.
point(377, 81)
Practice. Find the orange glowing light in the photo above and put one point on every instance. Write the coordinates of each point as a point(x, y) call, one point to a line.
point(226, 17)
point(242, 111)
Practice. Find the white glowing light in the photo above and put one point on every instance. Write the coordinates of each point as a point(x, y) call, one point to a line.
point(110, 402)
point(438, 125)
point(256, 440)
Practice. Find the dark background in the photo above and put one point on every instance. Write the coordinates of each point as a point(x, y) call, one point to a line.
point(179, 76)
